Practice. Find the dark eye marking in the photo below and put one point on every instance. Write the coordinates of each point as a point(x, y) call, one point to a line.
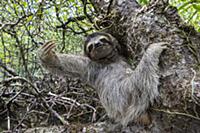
point(90, 48)
point(103, 40)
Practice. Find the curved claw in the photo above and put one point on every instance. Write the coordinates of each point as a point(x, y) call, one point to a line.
point(46, 50)
point(160, 45)
point(156, 49)
point(48, 47)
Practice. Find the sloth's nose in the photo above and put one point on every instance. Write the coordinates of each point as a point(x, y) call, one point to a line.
point(96, 45)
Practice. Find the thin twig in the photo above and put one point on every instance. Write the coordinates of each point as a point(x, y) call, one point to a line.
point(177, 113)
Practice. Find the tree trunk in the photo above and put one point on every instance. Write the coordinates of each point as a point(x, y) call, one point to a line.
point(136, 28)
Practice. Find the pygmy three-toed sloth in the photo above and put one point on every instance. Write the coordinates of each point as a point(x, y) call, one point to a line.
point(124, 93)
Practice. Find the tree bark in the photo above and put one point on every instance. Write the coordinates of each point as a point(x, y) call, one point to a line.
point(136, 28)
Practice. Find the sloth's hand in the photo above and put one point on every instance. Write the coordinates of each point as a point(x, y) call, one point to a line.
point(46, 53)
point(155, 49)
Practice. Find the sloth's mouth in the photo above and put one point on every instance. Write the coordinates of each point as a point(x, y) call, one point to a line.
point(101, 51)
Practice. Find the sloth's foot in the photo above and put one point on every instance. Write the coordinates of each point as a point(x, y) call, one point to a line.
point(144, 119)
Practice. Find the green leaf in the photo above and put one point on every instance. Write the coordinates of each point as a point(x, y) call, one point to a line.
point(196, 6)
point(29, 18)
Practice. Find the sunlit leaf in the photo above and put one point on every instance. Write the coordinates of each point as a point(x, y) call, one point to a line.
point(189, 11)
point(197, 6)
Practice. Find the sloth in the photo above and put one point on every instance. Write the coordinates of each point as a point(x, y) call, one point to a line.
point(126, 94)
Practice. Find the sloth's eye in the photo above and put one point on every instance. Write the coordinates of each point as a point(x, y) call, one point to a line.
point(103, 40)
point(90, 48)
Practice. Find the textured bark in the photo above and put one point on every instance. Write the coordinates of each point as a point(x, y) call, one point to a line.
point(136, 28)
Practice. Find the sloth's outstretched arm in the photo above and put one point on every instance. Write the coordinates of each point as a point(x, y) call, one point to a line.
point(62, 64)
point(145, 75)
point(144, 81)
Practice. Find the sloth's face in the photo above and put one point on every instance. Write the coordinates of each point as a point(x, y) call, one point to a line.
point(99, 48)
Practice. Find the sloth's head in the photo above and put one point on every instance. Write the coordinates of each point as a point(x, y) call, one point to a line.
point(100, 47)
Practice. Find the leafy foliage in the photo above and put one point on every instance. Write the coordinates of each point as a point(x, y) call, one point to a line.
point(189, 10)
point(143, 2)
point(25, 25)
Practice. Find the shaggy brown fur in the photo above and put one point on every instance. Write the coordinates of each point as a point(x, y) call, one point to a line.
point(124, 93)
